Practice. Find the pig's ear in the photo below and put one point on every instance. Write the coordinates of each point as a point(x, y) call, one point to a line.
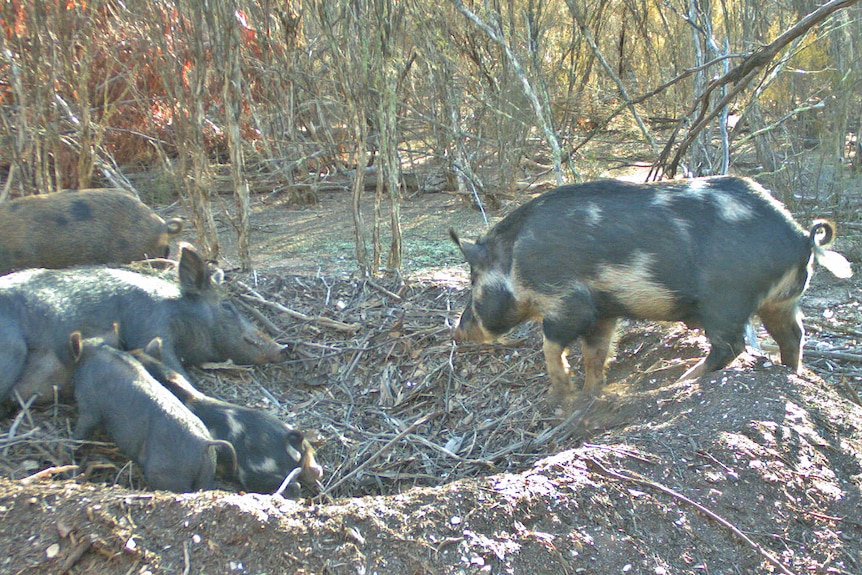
point(75, 343)
point(454, 235)
point(193, 271)
point(154, 348)
point(475, 254)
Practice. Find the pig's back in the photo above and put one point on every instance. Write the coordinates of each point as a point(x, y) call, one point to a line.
point(50, 304)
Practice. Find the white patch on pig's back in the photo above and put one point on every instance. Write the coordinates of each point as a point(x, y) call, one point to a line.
point(235, 427)
point(731, 209)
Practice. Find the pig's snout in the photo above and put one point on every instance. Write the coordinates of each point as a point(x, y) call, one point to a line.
point(312, 471)
point(468, 329)
point(279, 353)
point(265, 350)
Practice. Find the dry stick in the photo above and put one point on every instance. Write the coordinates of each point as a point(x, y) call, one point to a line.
point(709, 513)
point(382, 450)
point(821, 354)
point(383, 290)
point(187, 563)
point(8, 442)
point(25, 411)
point(45, 473)
point(77, 552)
point(270, 327)
point(350, 328)
point(291, 477)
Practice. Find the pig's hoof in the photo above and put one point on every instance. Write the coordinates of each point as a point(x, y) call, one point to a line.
point(564, 408)
point(561, 395)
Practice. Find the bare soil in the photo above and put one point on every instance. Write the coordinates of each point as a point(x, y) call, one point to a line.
point(445, 460)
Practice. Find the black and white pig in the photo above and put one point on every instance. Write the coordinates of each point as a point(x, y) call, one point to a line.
point(146, 421)
point(709, 252)
point(266, 449)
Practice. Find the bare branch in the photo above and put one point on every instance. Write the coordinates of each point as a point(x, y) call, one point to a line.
point(740, 76)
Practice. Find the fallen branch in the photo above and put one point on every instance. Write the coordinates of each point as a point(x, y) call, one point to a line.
point(842, 355)
point(49, 472)
point(383, 290)
point(598, 467)
point(252, 295)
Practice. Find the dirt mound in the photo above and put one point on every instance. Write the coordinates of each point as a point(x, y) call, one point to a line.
point(445, 460)
point(739, 473)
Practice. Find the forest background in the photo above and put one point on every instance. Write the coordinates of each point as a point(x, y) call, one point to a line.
point(481, 98)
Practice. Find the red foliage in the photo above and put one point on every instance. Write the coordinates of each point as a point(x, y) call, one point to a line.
point(125, 91)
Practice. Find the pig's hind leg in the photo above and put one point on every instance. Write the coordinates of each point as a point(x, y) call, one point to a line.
point(783, 321)
point(726, 341)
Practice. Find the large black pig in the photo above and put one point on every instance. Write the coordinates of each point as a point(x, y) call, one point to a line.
point(40, 308)
point(266, 450)
point(148, 424)
point(709, 252)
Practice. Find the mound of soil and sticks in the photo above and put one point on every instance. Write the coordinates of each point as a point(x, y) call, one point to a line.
point(442, 459)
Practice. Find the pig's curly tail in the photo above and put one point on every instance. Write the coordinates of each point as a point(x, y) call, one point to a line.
point(824, 227)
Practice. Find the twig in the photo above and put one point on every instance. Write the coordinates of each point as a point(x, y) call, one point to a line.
point(624, 452)
point(615, 474)
point(25, 411)
point(383, 290)
point(448, 453)
point(76, 553)
point(252, 295)
point(270, 327)
point(291, 477)
point(842, 355)
point(8, 442)
point(382, 450)
point(49, 472)
point(187, 562)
